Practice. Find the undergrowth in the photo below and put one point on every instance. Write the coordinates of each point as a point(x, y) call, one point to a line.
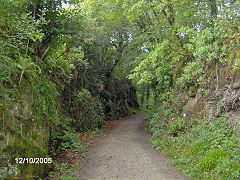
point(72, 148)
point(201, 149)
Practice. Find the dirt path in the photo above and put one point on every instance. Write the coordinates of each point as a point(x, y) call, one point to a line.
point(125, 153)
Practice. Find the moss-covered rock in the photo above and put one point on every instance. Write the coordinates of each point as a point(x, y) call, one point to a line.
point(26, 150)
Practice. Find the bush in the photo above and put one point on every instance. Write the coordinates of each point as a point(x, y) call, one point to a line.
point(63, 137)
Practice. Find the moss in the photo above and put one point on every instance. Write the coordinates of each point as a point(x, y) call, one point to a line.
point(26, 149)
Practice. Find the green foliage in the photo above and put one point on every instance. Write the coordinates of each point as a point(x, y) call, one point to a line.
point(182, 42)
point(70, 141)
point(86, 111)
point(157, 125)
point(204, 150)
point(193, 74)
point(63, 137)
point(176, 127)
point(209, 46)
point(18, 30)
point(157, 60)
point(44, 97)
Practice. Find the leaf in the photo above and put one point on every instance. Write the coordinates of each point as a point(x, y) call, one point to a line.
point(112, 157)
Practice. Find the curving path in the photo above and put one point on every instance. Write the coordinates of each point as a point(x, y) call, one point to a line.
point(124, 152)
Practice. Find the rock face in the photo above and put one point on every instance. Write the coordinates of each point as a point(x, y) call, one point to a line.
point(230, 103)
point(212, 112)
point(22, 136)
point(225, 100)
point(194, 107)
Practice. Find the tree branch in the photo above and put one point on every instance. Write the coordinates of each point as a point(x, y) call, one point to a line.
point(45, 52)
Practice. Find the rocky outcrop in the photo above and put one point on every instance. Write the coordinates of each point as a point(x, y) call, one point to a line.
point(212, 106)
point(230, 103)
point(22, 136)
point(224, 100)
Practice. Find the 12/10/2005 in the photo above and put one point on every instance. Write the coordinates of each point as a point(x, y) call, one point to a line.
point(33, 160)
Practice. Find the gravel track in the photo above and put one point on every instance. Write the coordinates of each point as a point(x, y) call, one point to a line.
point(123, 152)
